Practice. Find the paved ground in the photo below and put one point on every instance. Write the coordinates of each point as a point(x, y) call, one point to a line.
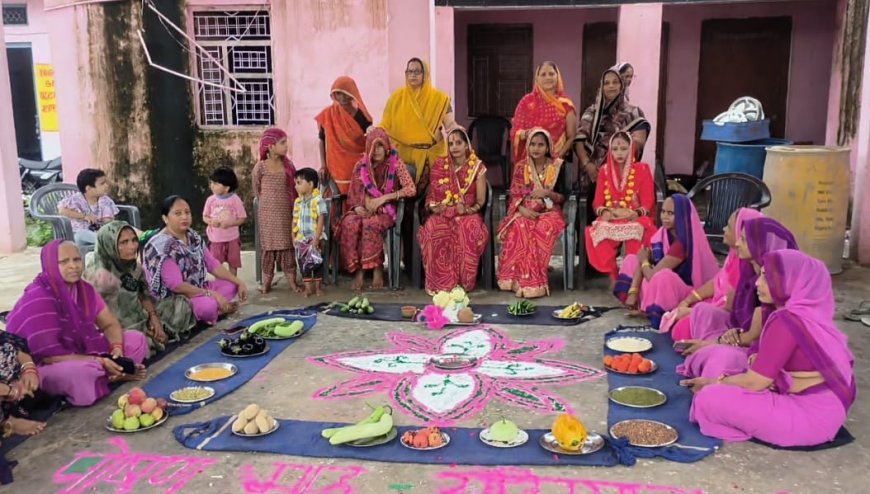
point(290, 380)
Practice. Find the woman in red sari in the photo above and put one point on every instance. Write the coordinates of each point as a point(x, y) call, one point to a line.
point(624, 205)
point(545, 107)
point(454, 237)
point(379, 180)
point(533, 221)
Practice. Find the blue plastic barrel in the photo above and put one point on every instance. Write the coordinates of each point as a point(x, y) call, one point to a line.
point(746, 157)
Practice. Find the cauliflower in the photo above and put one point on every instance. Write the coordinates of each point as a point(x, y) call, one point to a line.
point(441, 299)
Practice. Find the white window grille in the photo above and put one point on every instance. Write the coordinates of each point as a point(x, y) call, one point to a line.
point(241, 41)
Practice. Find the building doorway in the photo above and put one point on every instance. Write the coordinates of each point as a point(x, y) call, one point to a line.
point(500, 70)
point(599, 54)
point(742, 57)
point(24, 109)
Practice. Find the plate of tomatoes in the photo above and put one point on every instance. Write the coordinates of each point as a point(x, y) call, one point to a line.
point(629, 363)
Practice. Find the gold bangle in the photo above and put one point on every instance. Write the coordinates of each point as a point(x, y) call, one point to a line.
point(697, 295)
point(633, 291)
point(646, 264)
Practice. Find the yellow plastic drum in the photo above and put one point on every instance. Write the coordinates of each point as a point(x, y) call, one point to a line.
point(809, 186)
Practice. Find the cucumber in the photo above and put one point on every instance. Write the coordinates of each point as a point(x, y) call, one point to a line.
point(261, 325)
point(370, 309)
point(365, 303)
point(362, 431)
point(343, 309)
point(353, 302)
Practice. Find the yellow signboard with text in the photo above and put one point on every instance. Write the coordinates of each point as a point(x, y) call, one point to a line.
point(45, 97)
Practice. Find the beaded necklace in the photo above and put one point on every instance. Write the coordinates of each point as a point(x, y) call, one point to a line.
point(449, 197)
point(626, 184)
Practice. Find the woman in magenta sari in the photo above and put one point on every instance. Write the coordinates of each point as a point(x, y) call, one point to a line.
point(546, 107)
point(379, 180)
point(73, 338)
point(454, 236)
point(800, 386)
point(722, 340)
point(718, 292)
point(533, 221)
point(656, 280)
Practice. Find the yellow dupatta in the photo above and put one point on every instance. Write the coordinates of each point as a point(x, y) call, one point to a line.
point(412, 118)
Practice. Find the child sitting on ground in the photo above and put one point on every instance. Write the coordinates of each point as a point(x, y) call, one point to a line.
point(224, 212)
point(308, 212)
point(90, 209)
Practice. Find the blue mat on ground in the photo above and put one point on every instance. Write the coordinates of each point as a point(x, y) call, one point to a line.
point(691, 445)
point(173, 378)
point(492, 314)
point(301, 438)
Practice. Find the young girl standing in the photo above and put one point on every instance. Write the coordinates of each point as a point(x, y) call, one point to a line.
point(274, 187)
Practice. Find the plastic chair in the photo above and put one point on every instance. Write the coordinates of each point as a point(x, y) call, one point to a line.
point(258, 260)
point(44, 206)
point(570, 212)
point(726, 193)
point(487, 262)
point(492, 143)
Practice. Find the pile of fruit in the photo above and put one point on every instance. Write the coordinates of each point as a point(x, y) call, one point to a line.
point(427, 437)
point(521, 308)
point(572, 311)
point(629, 363)
point(377, 424)
point(276, 327)
point(254, 420)
point(357, 305)
point(136, 410)
point(245, 344)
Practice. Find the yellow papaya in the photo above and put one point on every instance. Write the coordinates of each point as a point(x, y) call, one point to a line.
point(569, 432)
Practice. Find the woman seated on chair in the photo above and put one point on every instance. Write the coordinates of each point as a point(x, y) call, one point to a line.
point(533, 221)
point(454, 236)
point(655, 280)
point(119, 279)
point(75, 340)
point(176, 262)
point(800, 385)
point(379, 180)
point(624, 205)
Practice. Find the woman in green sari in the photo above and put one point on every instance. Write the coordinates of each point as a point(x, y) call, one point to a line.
point(119, 279)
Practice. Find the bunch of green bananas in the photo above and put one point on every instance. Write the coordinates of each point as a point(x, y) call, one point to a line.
point(521, 308)
point(379, 423)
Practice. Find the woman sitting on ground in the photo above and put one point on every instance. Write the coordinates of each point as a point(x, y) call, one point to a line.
point(680, 259)
point(177, 263)
point(719, 291)
point(119, 279)
point(72, 335)
point(722, 340)
point(800, 385)
point(379, 180)
point(19, 379)
point(533, 221)
point(624, 204)
point(454, 236)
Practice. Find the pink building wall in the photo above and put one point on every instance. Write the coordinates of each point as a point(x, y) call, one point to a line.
point(812, 42)
point(557, 36)
point(12, 238)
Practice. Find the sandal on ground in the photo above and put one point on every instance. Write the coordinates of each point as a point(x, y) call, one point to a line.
point(858, 314)
point(865, 321)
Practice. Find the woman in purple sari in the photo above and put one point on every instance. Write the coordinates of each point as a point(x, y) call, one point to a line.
point(657, 280)
point(74, 339)
point(723, 339)
point(799, 387)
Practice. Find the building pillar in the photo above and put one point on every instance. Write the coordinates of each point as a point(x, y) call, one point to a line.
point(13, 237)
point(445, 52)
point(860, 229)
point(639, 42)
point(411, 31)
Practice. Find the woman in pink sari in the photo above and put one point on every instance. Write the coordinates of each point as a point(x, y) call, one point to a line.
point(546, 107)
point(718, 292)
point(722, 340)
point(379, 180)
point(533, 221)
point(454, 236)
point(800, 386)
point(74, 339)
point(680, 259)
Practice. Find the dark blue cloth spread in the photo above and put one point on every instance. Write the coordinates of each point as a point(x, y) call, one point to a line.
point(492, 314)
point(301, 438)
point(173, 378)
point(691, 445)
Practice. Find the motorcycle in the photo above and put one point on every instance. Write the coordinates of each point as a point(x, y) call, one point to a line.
point(35, 174)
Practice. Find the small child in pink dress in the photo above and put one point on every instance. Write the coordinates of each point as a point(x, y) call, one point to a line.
point(224, 212)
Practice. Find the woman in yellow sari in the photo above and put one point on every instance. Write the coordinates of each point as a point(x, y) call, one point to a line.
point(413, 119)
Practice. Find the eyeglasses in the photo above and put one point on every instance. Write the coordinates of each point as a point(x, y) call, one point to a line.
point(413, 72)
